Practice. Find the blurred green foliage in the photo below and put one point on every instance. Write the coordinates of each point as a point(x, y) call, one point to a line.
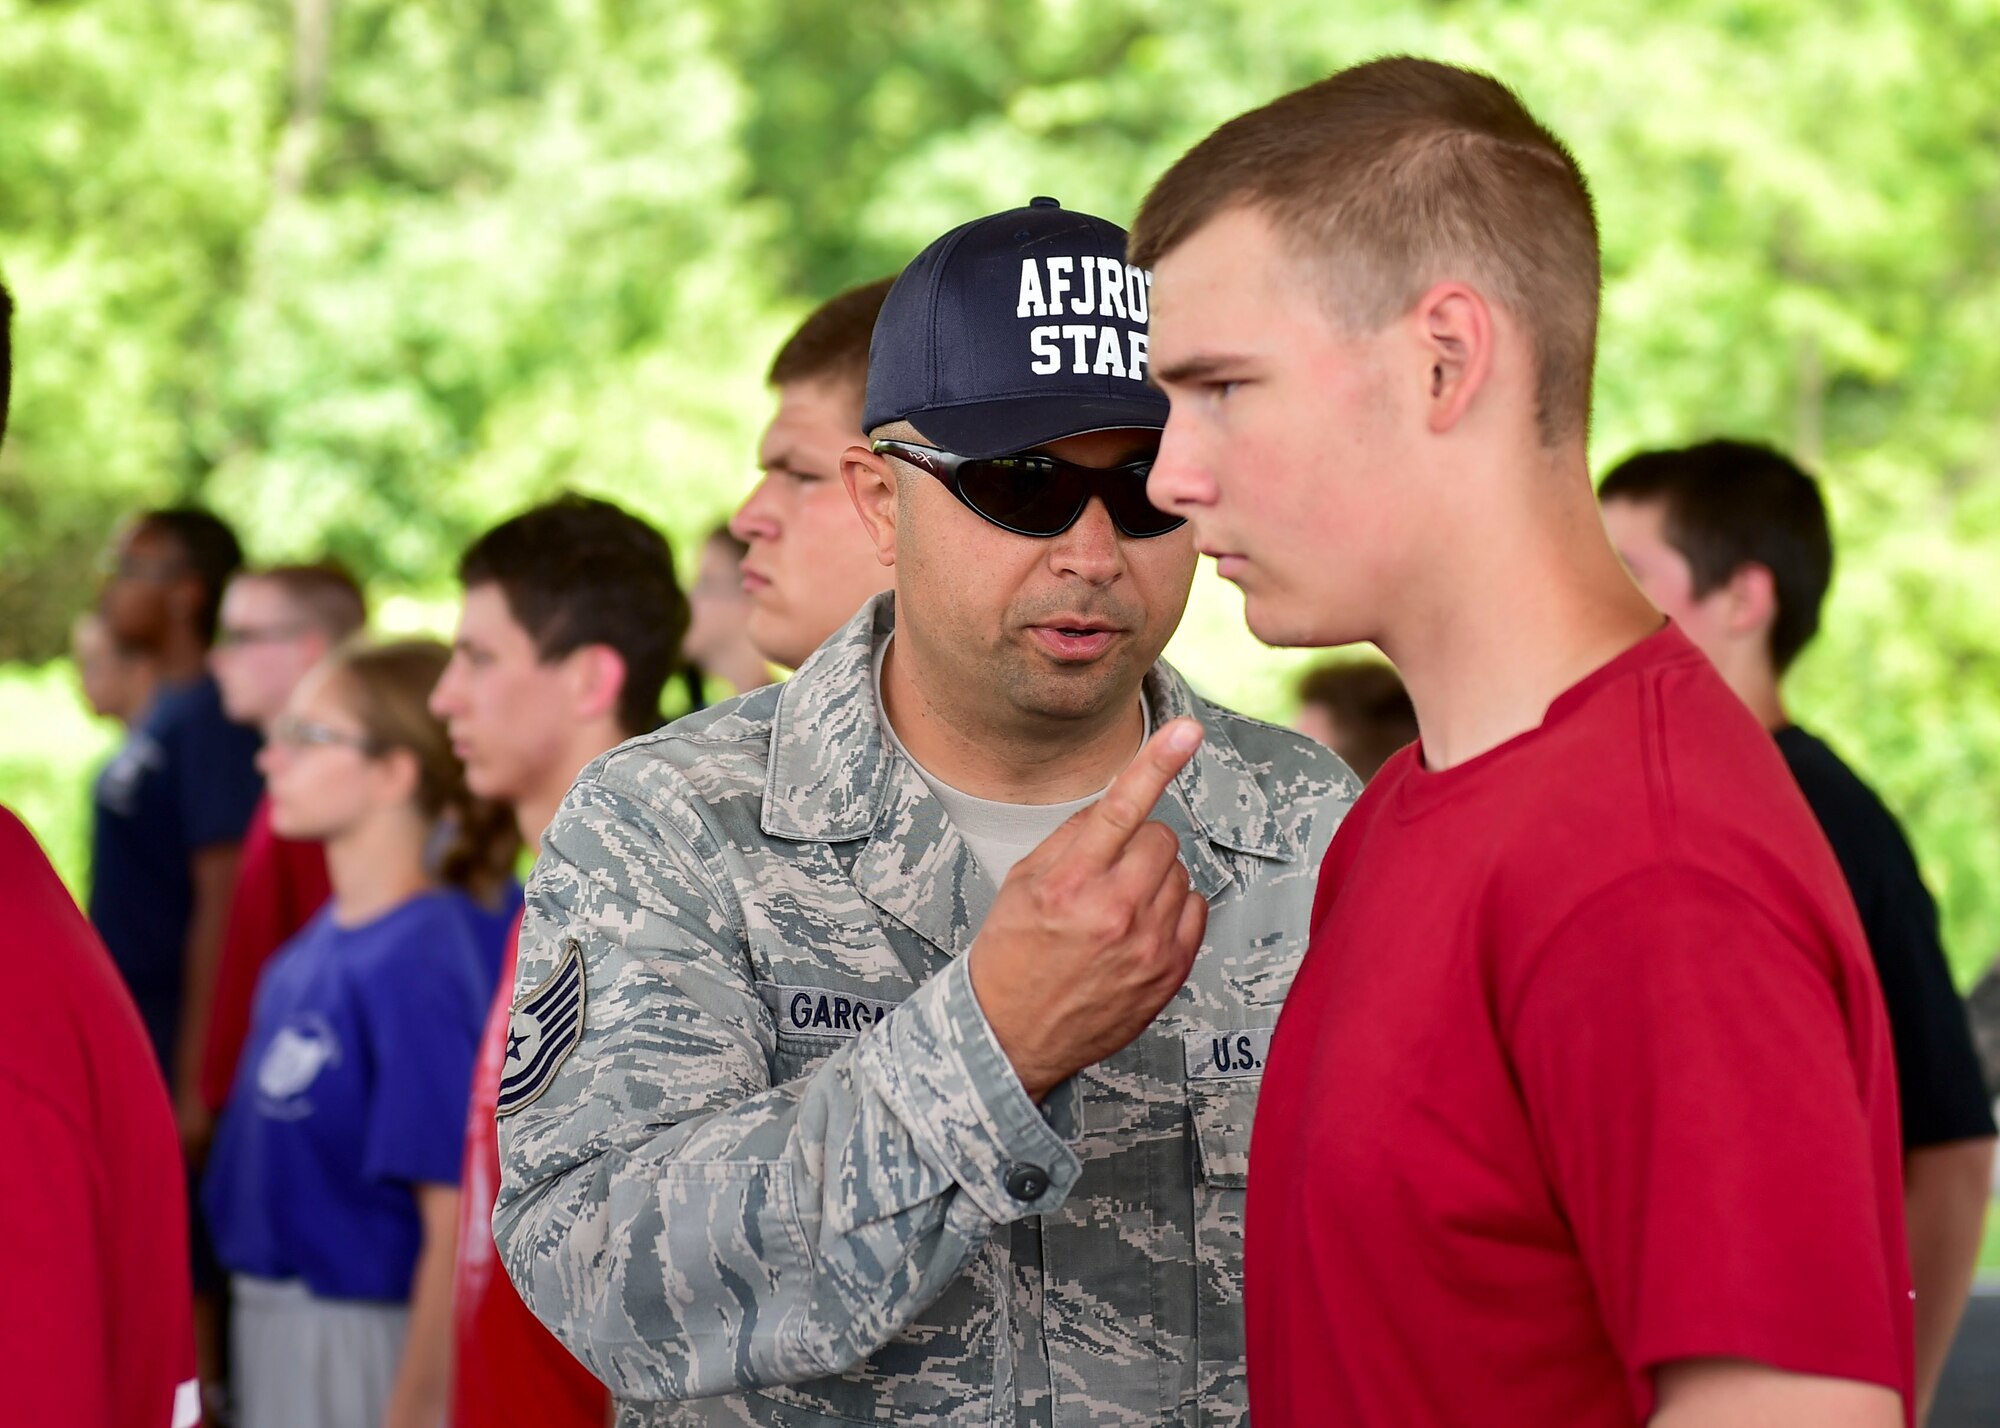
point(366, 276)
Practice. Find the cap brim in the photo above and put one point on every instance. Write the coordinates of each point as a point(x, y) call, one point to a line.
point(1010, 424)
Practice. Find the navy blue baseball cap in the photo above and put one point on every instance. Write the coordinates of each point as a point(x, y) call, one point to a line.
point(1013, 331)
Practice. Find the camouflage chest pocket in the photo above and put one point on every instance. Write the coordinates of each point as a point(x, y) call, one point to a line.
point(1224, 1071)
point(814, 1022)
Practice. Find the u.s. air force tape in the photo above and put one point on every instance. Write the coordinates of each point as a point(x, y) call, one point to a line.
point(1226, 1055)
point(542, 1029)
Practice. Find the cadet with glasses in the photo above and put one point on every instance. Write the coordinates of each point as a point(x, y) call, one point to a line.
point(878, 1059)
point(333, 1188)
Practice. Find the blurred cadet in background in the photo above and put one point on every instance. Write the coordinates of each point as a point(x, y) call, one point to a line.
point(1731, 540)
point(810, 566)
point(95, 1328)
point(117, 679)
point(570, 627)
point(718, 652)
point(275, 625)
point(332, 1192)
point(169, 813)
point(1982, 1009)
point(95, 1325)
point(172, 805)
point(1358, 708)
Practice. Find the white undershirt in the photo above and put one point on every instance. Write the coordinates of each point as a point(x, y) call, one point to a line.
point(999, 834)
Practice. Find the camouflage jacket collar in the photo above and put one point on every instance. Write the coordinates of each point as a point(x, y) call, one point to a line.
point(832, 776)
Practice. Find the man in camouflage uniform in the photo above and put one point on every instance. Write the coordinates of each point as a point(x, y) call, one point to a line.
point(868, 1065)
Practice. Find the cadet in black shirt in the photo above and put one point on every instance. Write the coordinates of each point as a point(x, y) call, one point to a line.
point(1731, 541)
point(1942, 1089)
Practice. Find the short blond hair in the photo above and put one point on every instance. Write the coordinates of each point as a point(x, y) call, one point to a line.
point(1399, 174)
point(831, 345)
point(325, 595)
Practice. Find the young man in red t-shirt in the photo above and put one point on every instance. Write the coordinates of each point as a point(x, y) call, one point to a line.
point(571, 624)
point(274, 625)
point(1582, 1109)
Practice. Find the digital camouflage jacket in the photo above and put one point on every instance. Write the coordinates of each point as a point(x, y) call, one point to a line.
point(762, 1160)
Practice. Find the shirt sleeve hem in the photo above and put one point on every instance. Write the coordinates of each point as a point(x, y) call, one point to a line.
point(968, 1107)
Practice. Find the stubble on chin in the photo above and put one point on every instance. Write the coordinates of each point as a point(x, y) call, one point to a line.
point(1046, 688)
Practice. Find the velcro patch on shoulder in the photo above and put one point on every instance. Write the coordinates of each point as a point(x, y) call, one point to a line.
point(542, 1029)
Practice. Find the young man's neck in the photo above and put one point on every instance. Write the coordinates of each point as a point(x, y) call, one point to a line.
point(377, 866)
point(743, 669)
point(535, 808)
point(1046, 761)
point(1526, 604)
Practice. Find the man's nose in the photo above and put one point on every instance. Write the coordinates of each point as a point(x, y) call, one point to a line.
point(1089, 549)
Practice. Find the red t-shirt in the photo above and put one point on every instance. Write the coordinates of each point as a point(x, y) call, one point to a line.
point(280, 884)
point(96, 1321)
point(1586, 1071)
point(506, 1368)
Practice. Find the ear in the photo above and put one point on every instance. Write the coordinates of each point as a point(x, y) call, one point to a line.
point(1753, 599)
point(316, 647)
point(401, 775)
point(596, 677)
point(871, 485)
point(187, 595)
point(1455, 330)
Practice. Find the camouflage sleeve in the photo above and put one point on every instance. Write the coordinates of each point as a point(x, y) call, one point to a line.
point(684, 1226)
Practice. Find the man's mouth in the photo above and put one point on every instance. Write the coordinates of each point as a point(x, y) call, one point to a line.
point(753, 580)
point(1075, 639)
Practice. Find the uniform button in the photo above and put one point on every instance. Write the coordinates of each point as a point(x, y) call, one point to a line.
point(1027, 1182)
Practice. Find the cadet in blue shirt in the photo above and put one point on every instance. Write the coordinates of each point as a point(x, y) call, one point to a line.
point(332, 1188)
point(171, 806)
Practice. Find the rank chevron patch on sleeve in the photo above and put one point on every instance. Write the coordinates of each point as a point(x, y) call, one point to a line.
point(542, 1029)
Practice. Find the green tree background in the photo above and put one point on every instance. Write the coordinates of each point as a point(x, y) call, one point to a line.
point(367, 276)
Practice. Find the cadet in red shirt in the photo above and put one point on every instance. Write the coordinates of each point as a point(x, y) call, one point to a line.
point(96, 1326)
point(274, 625)
point(571, 624)
point(1582, 1109)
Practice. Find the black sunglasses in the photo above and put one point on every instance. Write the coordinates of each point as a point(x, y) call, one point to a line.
point(1035, 495)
